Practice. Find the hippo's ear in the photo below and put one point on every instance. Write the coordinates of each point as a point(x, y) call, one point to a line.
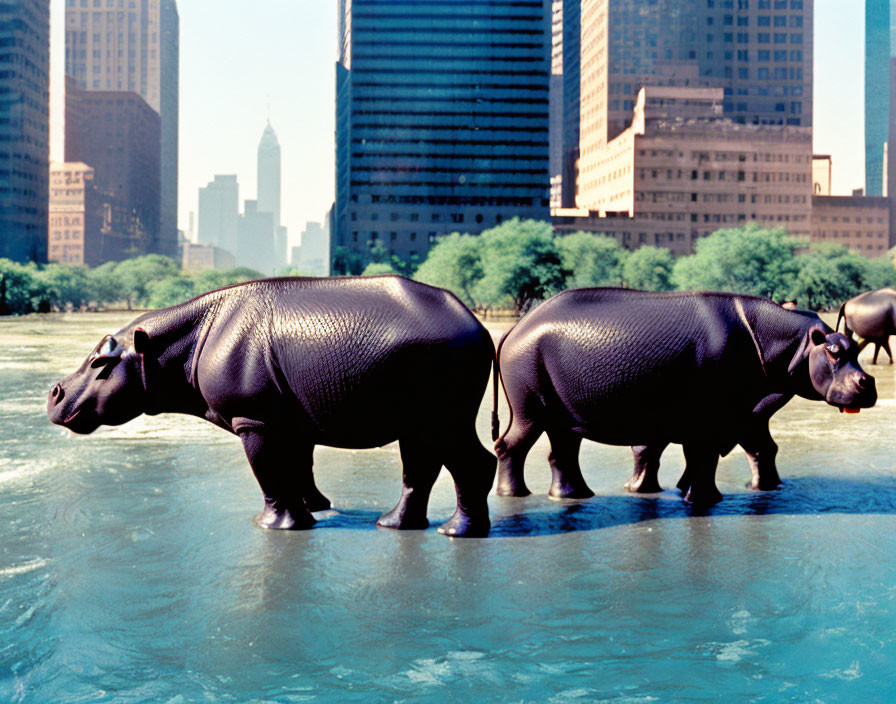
point(817, 336)
point(141, 341)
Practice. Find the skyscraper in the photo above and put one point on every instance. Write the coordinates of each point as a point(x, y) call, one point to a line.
point(759, 52)
point(24, 129)
point(133, 48)
point(879, 48)
point(441, 120)
point(118, 135)
point(269, 187)
point(219, 206)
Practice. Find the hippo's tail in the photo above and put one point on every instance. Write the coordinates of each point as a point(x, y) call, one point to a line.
point(496, 378)
point(842, 316)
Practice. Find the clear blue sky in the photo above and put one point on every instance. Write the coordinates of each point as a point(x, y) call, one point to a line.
point(238, 56)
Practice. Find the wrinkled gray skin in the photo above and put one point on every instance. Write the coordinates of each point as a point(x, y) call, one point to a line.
point(631, 368)
point(872, 316)
point(287, 364)
point(756, 442)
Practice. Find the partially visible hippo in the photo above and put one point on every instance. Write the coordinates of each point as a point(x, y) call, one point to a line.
point(627, 367)
point(287, 364)
point(872, 316)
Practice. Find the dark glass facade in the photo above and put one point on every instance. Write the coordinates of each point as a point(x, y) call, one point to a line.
point(878, 50)
point(24, 129)
point(441, 120)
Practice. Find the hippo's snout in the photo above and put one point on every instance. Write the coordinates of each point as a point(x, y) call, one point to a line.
point(57, 394)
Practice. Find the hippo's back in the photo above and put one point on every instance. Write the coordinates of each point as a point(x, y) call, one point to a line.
point(351, 351)
point(614, 359)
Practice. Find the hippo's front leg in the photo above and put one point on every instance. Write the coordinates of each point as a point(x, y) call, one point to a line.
point(761, 450)
point(274, 462)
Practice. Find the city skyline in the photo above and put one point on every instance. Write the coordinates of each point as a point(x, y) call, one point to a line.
point(289, 75)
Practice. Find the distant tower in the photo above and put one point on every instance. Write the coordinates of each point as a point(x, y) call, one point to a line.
point(269, 188)
point(269, 174)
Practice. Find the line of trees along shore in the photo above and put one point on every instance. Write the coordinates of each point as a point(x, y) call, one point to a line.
point(509, 267)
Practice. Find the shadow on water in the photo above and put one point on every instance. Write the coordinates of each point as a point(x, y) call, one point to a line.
point(800, 496)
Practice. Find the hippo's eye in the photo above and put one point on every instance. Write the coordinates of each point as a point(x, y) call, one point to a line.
point(110, 364)
point(833, 349)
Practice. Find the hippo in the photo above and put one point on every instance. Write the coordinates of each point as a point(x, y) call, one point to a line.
point(872, 316)
point(755, 440)
point(290, 363)
point(626, 367)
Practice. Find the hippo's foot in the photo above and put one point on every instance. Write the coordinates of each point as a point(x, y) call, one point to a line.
point(400, 519)
point(570, 491)
point(284, 519)
point(643, 485)
point(512, 489)
point(317, 502)
point(766, 484)
point(460, 525)
point(702, 497)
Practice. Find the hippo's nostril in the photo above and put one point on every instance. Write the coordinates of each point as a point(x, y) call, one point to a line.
point(862, 381)
point(58, 393)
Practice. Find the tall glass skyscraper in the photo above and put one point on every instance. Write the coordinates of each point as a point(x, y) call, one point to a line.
point(441, 120)
point(879, 49)
point(24, 129)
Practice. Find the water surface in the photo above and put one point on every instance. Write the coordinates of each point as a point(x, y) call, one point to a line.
point(130, 570)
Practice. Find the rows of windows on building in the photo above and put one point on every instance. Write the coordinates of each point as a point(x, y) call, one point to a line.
point(451, 117)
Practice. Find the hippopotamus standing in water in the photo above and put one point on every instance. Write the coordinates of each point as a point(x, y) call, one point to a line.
point(287, 364)
point(632, 368)
point(872, 316)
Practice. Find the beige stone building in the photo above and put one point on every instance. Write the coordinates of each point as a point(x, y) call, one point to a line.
point(860, 223)
point(680, 172)
point(821, 175)
point(69, 212)
point(202, 257)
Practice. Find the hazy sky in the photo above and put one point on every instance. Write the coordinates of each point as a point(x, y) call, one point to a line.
point(239, 56)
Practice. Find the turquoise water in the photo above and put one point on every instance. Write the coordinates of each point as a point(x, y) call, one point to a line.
point(130, 570)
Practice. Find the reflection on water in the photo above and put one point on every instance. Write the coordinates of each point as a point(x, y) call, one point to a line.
point(130, 570)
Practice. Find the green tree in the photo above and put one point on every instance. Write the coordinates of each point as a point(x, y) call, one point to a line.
point(346, 262)
point(521, 265)
point(378, 269)
point(170, 291)
point(751, 260)
point(592, 260)
point(880, 273)
point(830, 274)
point(454, 263)
point(137, 274)
point(106, 285)
point(65, 285)
point(17, 288)
point(649, 269)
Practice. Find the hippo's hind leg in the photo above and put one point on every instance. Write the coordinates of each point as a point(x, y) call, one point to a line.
point(567, 481)
point(645, 479)
point(513, 447)
point(473, 469)
point(283, 481)
point(701, 461)
point(420, 469)
point(761, 451)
